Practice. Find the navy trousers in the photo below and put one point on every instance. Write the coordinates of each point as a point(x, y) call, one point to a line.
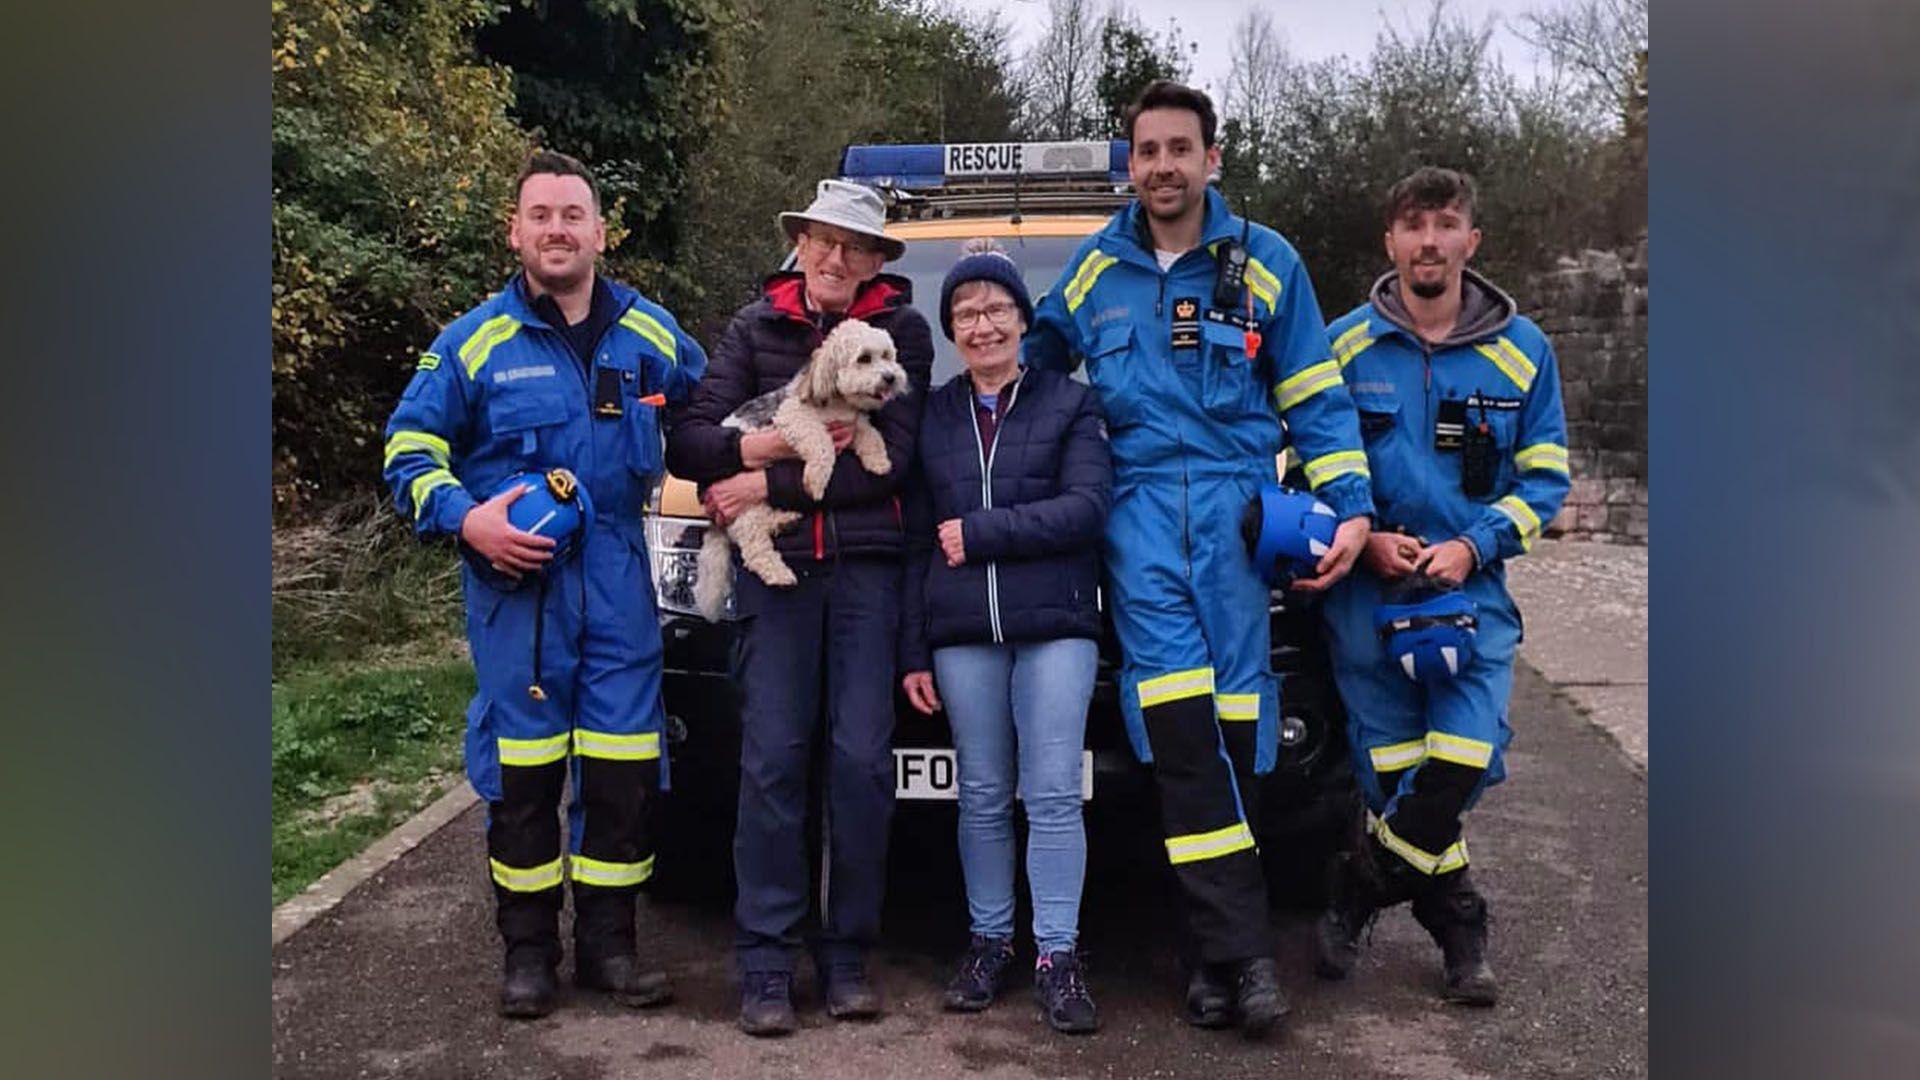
point(815, 658)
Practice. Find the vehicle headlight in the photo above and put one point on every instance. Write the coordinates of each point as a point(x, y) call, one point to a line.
point(674, 544)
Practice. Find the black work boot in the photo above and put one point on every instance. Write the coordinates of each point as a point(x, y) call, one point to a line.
point(850, 994)
point(529, 987)
point(1260, 1003)
point(982, 975)
point(1061, 987)
point(1351, 905)
point(604, 952)
point(622, 976)
point(766, 1003)
point(1210, 996)
point(1456, 915)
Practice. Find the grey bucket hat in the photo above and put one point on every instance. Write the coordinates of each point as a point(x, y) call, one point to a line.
point(853, 207)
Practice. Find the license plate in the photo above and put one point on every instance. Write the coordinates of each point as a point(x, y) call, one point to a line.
point(935, 774)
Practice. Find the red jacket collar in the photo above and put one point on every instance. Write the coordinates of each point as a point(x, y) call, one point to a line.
point(786, 292)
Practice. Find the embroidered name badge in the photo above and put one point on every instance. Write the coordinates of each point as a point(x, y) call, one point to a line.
point(516, 374)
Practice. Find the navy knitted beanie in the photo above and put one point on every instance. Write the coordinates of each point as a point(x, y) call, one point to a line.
point(984, 262)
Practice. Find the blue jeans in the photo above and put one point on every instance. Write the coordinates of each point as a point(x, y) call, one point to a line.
point(1028, 701)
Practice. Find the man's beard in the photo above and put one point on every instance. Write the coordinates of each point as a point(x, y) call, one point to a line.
point(1187, 202)
point(1428, 290)
point(557, 283)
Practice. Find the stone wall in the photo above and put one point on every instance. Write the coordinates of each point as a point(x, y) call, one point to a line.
point(1594, 308)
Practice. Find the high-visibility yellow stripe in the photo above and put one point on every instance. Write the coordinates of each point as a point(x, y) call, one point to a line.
point(491, 334)
point(650, 328)
point(1339, 463)
point(1350, 335)
point(529, 879)
point(610, 874)
point(1237, 706)
point(404, 441)
point(1422, 861)
point(1345, 356)
point(1080, 272)
point(1461, 751)
point(1454, 858)
point(1209, 845)
point(1263, 284)
point(1178, 686)
point(1404, 755)
point(529, 752)
point(1549, 457)
point(425, 483)
point(1308, 382)
point(1082, 284)
point(1523, 518)
point(1511, 361)
point(428, 362)
point(598, 744)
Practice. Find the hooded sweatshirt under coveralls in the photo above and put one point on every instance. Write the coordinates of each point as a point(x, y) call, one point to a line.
point(1424, 753)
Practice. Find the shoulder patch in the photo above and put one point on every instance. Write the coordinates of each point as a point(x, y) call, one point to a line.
point(428, 362)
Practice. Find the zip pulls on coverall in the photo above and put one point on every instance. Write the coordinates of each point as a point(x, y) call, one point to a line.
point(986, 452)
point(581, 366)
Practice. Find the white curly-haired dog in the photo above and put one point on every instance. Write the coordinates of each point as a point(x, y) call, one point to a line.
point(853, 372)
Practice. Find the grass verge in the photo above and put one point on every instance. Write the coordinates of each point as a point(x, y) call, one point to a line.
point(357, 749)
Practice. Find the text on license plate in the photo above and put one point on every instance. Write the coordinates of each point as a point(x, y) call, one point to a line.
point(934, 774)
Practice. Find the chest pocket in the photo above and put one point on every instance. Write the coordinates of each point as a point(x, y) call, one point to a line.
point(1111, 374)
point(1379, 415)
point(522, 414)
point(640, 421)
point(1227, 382)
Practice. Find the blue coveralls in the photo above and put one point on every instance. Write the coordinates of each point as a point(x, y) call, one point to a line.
point(1425, 753)
point(501, 392)
point(1195, 425)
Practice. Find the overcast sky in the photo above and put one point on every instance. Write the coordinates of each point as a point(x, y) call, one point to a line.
point(1314, 29)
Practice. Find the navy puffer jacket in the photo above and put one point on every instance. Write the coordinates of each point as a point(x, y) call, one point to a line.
point(1033, 548)
point(767, 342)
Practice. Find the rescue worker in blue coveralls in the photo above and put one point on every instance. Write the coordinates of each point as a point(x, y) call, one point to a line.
point(1459, 402)
point(1201, 333)
point(560, 369)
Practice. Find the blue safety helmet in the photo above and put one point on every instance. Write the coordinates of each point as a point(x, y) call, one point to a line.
point(1427, 627)
point(555, 506)
point(1288, 532)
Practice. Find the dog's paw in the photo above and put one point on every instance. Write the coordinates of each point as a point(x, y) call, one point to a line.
point(778, 575)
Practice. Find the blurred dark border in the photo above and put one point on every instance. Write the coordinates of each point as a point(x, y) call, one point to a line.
point(1786, 461)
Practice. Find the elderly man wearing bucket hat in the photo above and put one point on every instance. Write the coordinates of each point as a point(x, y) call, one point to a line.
point(819, 651)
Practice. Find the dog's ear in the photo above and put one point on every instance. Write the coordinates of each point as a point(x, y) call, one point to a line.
point(822, 383)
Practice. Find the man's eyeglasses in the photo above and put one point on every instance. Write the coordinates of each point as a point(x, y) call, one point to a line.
point(999, 314)
point(849, 247)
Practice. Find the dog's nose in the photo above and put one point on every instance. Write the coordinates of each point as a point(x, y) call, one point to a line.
point(888, 379)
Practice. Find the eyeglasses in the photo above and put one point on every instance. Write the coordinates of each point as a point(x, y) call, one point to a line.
point(849, 247)
point(999, 313)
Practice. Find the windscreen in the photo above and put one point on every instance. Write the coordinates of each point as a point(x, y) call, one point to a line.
point(926, 263)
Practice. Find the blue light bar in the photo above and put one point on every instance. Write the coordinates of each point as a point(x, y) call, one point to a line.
point(935, 165)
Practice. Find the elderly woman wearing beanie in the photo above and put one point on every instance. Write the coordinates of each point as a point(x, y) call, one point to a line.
point(1006, 511)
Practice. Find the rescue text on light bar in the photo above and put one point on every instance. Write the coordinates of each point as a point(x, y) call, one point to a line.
point(1034, 158)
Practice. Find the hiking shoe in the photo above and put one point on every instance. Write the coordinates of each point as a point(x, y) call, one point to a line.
point(982, 974)
point(1061, 987)
point(1210, 997)
point(850, 994)
point(766, 1003)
